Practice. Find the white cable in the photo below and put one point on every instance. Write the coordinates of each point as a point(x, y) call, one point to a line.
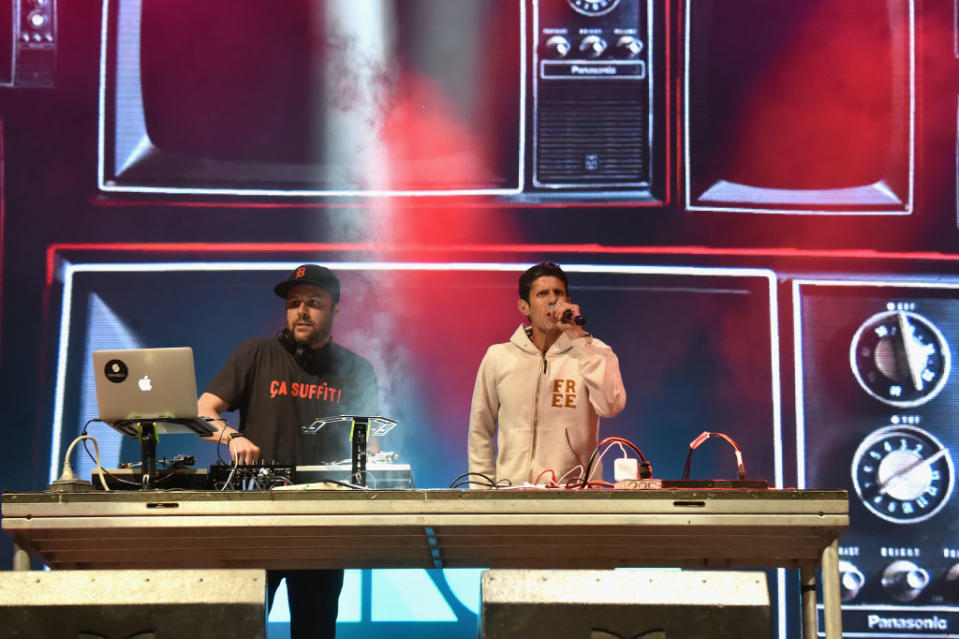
point(229, 478)
point(599, 462)
point(524, 486)
point(582, 470)
point(68, 471)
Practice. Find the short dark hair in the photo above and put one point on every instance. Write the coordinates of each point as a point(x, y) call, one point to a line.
point(533, 273)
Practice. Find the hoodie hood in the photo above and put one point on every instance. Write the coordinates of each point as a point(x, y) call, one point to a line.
point(522, 339)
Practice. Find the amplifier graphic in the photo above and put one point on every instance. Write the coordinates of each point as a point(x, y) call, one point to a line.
point(592, 91)
point(878, 414)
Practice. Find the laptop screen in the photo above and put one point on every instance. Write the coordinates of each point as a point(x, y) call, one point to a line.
point(146, 384)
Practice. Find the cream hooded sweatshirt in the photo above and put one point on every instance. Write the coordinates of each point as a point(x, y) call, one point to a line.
point(544, 409)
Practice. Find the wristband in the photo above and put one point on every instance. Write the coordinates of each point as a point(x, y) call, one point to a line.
point(235, 435)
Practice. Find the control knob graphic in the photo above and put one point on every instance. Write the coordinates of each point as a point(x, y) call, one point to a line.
point(851, 580)
point(558, 46)
point(592, 46)
point(593, 7)
point(903, 474)
point(37, 20)
point(952, 582)
point(904, 580)
point(628, 47)
point(900, 358)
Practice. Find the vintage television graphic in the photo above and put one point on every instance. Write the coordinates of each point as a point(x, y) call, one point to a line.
point(877, 413)
point(698, 348)
point(28, 43)
point(676, 330)
point(799, 107)
point(507, 100)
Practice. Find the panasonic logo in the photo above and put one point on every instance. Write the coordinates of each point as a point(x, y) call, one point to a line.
point(906, 623)
point(578, 70)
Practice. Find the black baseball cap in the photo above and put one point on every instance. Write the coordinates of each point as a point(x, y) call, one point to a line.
point(310, 274)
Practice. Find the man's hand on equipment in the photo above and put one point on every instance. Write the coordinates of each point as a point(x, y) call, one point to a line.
point(242, 450)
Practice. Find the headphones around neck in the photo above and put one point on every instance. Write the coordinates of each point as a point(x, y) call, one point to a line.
point(312, 360)
point(301, 352)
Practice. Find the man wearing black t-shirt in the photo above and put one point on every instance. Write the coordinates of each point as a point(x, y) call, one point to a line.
point(280, 384)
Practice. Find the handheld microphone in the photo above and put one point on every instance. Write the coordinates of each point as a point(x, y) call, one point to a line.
point(570, 317)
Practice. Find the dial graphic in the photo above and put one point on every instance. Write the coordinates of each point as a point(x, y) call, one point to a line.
point(902, 474)
point(593, 7)
point(900, 358)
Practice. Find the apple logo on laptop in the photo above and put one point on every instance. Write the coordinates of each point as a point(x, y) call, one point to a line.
point(144, 383)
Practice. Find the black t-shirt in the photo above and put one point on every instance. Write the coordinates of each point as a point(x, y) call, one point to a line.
point(276, 397)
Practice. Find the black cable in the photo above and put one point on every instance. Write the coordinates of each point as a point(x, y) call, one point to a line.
point(90, 421)
point(488, 481)
point(219, 440)
point(646, 469)
point(581, 481)
point(177, 461)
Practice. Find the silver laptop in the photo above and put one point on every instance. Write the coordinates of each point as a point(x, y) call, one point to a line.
point(148, 385)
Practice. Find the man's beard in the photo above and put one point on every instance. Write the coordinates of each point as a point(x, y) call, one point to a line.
point(315, 336)
point(305, 340)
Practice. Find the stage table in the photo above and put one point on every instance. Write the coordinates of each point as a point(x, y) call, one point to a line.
point(721, 529)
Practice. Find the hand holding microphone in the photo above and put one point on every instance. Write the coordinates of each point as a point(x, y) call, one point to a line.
point(572, 317)
point(567, 313)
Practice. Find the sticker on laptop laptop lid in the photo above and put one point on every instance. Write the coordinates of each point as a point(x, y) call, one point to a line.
point(116, 371)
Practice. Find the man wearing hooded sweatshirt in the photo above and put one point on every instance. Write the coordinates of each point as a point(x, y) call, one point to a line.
point(542, 393)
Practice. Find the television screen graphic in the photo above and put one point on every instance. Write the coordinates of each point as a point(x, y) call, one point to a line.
point(695, 346)
point(698, 350)
point(802, 107)
point(326, 96)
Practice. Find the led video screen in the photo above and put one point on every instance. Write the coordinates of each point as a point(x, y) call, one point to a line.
point(697, 350)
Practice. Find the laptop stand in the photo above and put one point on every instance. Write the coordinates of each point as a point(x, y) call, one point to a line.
point(145, 430)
